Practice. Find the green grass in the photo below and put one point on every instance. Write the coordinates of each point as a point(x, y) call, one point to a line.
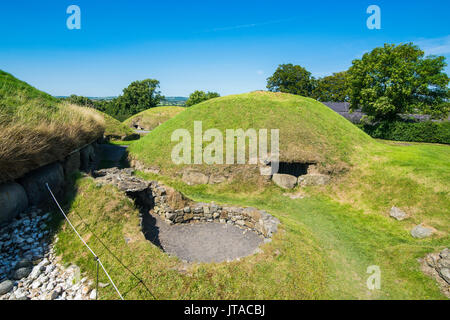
point(114, 128)
point(153, 117)
point(321, 252)
point(414, 177)
point(36, 129)
point(289, 267)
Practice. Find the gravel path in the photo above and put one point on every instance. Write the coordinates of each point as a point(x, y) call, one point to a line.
point(201, 242)
point(29, 268)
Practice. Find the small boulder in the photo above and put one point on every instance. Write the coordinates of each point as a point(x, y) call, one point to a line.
point(445, 274)
point(34, 183)
point(93, 295)
point(398, 214)
point(6, 286)
point(421, 232)
point(21, 273)
point(194, 178)
point(13, 200)
point(313, 180)
point(285, 181)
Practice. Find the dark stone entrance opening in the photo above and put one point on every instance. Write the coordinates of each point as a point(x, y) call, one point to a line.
point(296, 169)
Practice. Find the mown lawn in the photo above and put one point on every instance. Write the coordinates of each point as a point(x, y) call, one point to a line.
point(325, 245)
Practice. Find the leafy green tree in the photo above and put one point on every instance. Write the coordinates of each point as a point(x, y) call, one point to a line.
point(80, 100)
point(200, 96)
point(393, 80)
point(137, 97)
point(333, 88)
point(294, 79)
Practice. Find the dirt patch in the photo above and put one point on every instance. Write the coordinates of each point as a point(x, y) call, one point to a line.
point(201, 242)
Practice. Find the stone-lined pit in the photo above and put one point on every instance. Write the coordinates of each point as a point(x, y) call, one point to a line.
point(200, 232)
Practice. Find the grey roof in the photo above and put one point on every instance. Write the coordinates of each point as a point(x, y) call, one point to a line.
point(343, 108)
point(338, 106)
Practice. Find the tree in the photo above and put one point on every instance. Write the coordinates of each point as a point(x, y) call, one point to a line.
point(393, 80)
point(138, 96)
point(333, 88)
point(289, 78)
point(80, 100)
point(200, 96)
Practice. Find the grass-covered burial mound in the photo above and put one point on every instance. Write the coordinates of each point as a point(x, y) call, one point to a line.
point(309, 133)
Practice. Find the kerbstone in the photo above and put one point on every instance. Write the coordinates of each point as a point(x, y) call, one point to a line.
point(285, 181)
point(13, 200)
point(34, 183)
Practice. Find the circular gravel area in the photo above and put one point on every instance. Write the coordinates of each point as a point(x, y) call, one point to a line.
point(201, 242)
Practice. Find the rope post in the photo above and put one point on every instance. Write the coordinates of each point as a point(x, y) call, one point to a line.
point(96, 284)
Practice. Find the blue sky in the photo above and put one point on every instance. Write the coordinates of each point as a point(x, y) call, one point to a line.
point(224, 46)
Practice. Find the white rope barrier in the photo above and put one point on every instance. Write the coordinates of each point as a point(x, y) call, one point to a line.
point(84, 242)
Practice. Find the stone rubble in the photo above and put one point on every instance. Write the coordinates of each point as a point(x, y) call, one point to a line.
point(437, 265)
point(29, 268)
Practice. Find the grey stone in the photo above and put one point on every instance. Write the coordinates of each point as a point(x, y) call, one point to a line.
point(34, 183)
point(285, 181)
point(35, 272)
point(87, 156)
point(24, 263)
point(53, 295)
point(93, 295)
point(72, 163)
point(21, 273)
point(194, 178)
point(421, 232)
point(13, 200)
point(398, 214)
point(6, 286)
point(216, 179)
point(313, 180)
point(445, 254)
point(445, 274)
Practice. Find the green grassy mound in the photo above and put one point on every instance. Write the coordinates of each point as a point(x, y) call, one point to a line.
point(36, 129)
point(114, 128)
point(151, 118)
point(309, 131)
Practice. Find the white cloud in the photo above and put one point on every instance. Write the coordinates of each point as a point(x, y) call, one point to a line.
point(260, 72)
point(436, 46)
point(250, 25)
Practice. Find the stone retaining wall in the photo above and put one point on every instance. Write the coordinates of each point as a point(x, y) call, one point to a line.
point(16, 196)
point(253, 219)
point(174, 207)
